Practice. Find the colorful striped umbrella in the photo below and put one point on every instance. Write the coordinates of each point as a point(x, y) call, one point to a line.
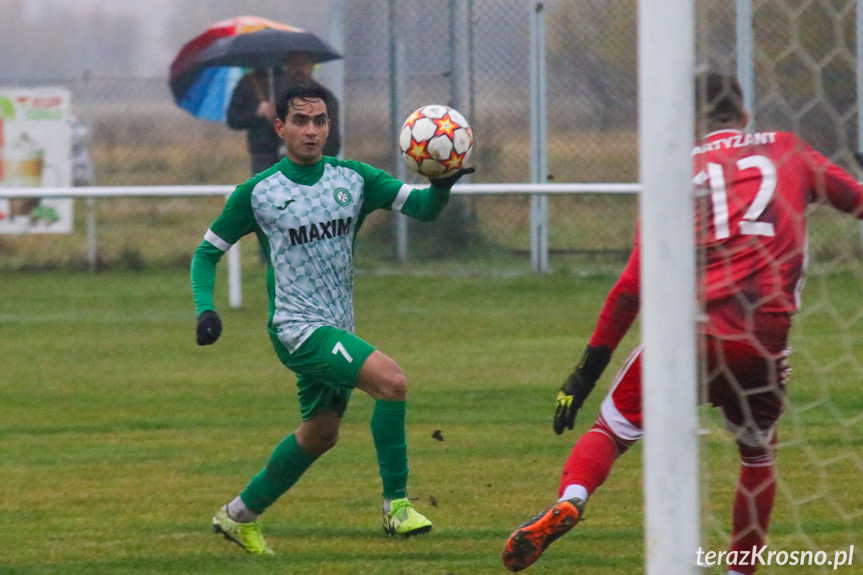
point(205, 72)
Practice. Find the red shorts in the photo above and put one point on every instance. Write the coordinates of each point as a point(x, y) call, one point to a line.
point(746, 384)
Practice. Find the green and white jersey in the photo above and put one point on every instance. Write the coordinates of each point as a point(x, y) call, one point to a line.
point(306, 219)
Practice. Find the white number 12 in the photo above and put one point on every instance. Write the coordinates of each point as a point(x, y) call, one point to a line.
point(719, 196)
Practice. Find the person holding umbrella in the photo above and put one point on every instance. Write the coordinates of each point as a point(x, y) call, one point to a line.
point(210, 78)
point(252, 108)
point(306, 211)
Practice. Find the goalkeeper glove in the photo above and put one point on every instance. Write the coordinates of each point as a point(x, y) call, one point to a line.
point(209, 327)
point(449, 181)
point(578, 386)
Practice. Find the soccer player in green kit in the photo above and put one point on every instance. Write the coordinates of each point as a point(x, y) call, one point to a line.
point(305, 211)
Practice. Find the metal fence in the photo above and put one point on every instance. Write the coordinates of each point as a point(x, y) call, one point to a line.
point(475, 54)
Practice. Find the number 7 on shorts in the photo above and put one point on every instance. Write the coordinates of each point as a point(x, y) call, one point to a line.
point(340, 348)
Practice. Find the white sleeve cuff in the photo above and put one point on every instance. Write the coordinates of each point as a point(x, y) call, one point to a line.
point(217, 241)
point(401, 198)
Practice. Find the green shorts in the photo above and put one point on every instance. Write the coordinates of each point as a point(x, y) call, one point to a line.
point(327, 365)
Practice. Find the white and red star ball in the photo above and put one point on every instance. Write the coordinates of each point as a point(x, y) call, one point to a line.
point(435, 141)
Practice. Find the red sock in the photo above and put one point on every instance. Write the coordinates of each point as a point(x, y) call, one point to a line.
point(591, 460)
point(756, 491)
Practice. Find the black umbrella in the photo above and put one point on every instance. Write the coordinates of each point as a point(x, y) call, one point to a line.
point(205, 72)
point(265, 48)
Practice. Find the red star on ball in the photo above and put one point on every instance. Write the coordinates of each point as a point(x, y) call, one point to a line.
point(445, 126)
point(453, 162)
point(412, 119)
point(418, 151)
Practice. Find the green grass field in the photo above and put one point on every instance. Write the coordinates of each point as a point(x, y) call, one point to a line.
point(119, 437)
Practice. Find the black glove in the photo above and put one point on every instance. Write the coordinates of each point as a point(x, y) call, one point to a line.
point(578, 386)
point(209, 327)
point(449, 181)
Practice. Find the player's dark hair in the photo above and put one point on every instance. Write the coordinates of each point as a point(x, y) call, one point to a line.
point(718, 98)
point(299, 92)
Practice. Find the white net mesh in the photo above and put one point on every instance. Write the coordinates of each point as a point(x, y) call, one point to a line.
point(804, 62)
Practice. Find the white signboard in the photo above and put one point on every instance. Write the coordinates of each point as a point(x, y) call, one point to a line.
point(35, 146)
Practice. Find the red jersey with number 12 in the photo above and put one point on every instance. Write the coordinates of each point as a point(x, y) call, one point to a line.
point(752, 193)
point(753, 190)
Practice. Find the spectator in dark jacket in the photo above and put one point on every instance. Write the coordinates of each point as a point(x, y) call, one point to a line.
point(252, 108)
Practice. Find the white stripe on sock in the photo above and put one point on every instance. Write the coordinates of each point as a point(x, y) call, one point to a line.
point(574, 491)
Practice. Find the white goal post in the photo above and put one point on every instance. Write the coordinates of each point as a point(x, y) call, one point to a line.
point(666, 63)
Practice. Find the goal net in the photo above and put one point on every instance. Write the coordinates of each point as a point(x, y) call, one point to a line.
point(798, 63)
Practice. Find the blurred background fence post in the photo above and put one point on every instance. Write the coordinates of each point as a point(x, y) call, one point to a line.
point(398, 70)
point(87, 108)
point(333, 74)
point(538, 141)
point(745, 61)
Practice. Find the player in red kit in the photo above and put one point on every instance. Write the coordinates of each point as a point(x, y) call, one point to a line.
point(752, 193)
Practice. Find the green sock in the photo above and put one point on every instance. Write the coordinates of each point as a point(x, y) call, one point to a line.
point(388, 433)
point(284, 468)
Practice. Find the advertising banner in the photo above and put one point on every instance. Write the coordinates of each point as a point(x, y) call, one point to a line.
point(35, 148)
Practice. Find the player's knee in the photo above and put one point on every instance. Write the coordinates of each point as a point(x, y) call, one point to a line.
point(319, 434)
point(328, 440)
point(756, 455)
point(394, 387)
point(621, 445)
point(320, 442)
point(751, 436)
point(382, 378)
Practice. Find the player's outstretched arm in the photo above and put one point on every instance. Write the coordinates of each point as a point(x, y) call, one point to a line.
point(426, 204)
point(617, 316)
point(833, 185)
point(578, 386)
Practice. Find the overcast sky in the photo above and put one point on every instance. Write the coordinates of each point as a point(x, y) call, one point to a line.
point(157, 22)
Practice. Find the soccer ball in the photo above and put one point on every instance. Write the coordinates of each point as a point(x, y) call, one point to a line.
point(435, 141)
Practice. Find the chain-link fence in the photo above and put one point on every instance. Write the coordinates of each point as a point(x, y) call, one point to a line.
point(804, 61)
